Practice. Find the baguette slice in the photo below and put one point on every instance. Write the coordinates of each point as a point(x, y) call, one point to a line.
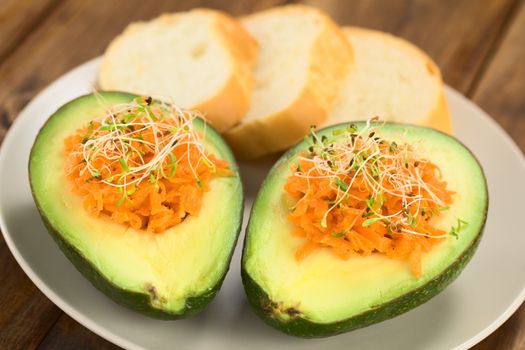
point(303, 60)
point(392, 79)
point(201, 59)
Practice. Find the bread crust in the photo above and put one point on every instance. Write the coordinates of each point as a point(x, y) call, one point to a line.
point(438, 117)
point(231, 101)
point(331, 58)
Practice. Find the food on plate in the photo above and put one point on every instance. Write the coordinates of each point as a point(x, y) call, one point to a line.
point(359, 223)
point(143, 197)
point(202, 59)
point(303, 60)
point(264, 79)
point(393, 79)
point(389, 77)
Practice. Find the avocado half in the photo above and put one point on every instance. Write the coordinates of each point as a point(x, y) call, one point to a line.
point(324, 295)
point(169, 275)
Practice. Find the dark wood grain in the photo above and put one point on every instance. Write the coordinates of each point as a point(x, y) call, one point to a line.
point(457, 34)
point(67, 334)
point(478, 44)
point(501, 92)
point(18, 19)
point(26, 314)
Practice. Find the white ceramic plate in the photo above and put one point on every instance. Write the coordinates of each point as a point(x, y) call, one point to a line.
point(489, 290)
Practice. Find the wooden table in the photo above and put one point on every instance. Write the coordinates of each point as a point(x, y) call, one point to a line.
point(479, 45)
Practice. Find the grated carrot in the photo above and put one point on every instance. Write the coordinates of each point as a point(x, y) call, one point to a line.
point(142, 164)
point(358, 194)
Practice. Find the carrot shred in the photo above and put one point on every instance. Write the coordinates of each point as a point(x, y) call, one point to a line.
point(386, 204)
point(142, 164)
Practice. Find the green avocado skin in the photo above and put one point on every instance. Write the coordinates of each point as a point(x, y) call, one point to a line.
point(139, 302)
point(136, 301)
point(298, 326)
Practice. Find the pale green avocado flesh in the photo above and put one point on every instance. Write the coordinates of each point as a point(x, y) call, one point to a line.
point(166, 275)
point(323, 294)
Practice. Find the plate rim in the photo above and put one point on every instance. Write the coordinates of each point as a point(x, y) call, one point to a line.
point(123, 342)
